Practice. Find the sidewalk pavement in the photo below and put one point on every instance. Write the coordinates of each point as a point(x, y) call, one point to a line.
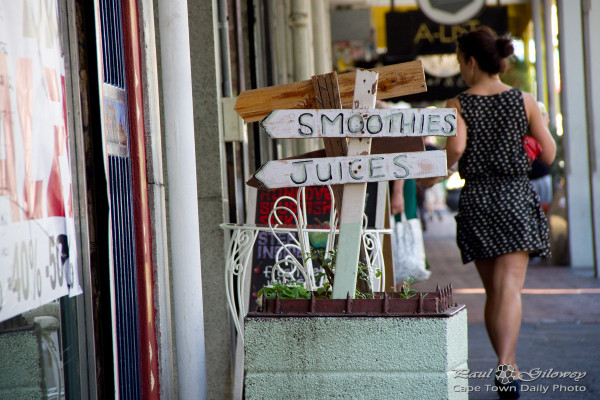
point(561, 321)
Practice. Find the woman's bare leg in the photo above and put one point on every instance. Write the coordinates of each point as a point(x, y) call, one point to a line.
point(503, 279)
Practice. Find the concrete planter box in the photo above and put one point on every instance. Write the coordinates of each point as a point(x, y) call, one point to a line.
point(360, 357)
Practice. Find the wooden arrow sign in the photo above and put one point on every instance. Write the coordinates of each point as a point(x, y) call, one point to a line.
point(349, 169)
point(308, 124)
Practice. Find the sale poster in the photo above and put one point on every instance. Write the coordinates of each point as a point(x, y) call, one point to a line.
point(37, 230)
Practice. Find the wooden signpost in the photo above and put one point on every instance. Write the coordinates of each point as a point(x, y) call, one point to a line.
point(351, 218)
point(348, 162)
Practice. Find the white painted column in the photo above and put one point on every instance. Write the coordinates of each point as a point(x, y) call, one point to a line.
point(549, 53)
point(536, 16)
point(281, 46)
point(300, 20)
point(575, 134)
point(591, 31)
point(156, 199)
point(183, 199)
point(281, 49)
point(321, 27)
point(303, 55)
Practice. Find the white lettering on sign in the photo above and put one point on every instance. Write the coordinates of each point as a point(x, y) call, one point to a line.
point(298, 124)
point(351, 169)
point(37, 267)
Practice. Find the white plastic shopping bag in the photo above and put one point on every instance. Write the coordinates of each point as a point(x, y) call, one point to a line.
point(409, 250)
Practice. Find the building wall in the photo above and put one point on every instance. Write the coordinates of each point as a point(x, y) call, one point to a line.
point(206, 84)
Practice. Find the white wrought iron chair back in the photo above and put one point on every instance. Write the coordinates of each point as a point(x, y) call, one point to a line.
point(287, 265)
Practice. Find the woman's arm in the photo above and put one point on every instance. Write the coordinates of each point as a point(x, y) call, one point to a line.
point(397, 197)
point(455, 145)
point(539, 130)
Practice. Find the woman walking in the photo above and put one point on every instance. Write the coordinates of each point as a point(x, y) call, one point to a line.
point(500, 222)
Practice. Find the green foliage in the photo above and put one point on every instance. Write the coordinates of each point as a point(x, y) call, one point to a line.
point(517, 75)
point(290, 290)
point(327, 261)
point(363, 281)
point(406, 292)
point(295, 290)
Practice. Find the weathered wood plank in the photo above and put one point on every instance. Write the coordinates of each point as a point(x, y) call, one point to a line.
point(349, 169)
point(397, 145)
point(375, 123)
point(327, 96)
point(394, 81)
point(379, 146)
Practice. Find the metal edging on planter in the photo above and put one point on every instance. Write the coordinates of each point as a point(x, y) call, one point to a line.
point(425, 304)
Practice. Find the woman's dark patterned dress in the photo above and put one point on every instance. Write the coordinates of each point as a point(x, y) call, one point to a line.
point(498, 210)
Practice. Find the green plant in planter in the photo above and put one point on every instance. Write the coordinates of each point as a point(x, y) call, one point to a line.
point(290, 290)
point(327, 261)
point(406, 292)
point(295, 290)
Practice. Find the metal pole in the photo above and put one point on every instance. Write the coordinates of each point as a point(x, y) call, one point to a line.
point(224, 48)
point(183, 200)
point(260, 51)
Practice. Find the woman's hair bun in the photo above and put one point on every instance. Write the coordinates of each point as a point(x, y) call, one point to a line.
point(504, 46)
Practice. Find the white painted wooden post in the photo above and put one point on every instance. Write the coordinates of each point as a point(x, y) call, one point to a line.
point(351, 219)
point(549, 58)
point(575, 140)
point(591, 30)
point(183, 213)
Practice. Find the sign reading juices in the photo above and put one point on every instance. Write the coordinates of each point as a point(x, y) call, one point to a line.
point(350, 169)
